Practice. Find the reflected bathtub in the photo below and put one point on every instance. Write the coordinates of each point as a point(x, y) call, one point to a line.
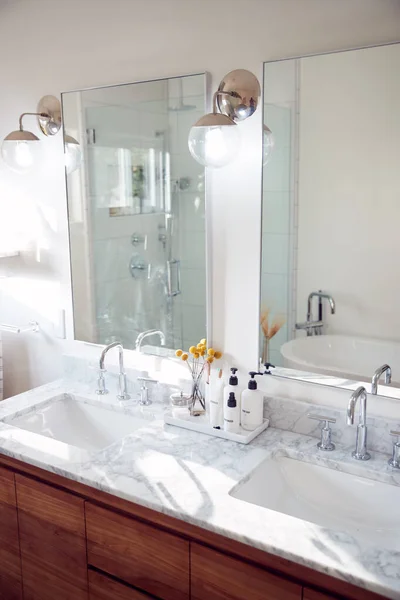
point(343, 356)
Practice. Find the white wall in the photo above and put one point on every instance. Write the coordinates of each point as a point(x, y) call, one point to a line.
point(95, 42)
point(349, 189)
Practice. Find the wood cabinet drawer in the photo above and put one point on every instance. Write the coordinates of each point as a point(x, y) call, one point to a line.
point(215, 576)
point(150, 559)
point(10, 560)
point(309, 594)
point(102, 587)
point(52, 539)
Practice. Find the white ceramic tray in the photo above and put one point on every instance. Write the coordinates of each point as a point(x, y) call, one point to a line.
point(202, 425)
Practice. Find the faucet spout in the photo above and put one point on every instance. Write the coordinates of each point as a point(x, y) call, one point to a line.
point(145, 334)
point(122, 385)
point(328, 297)
point(377, 375)
point(360, 452)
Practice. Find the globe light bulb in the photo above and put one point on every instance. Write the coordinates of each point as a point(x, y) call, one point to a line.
point(214, 140)
point(20, 151)
point(268, 144)
point(72, 154)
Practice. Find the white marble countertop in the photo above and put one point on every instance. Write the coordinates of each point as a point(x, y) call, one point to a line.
point(189, 476)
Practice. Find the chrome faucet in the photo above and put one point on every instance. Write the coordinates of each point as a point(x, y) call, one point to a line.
point(145, 334)
point(377, 375)
point(316, 327)
point(122, 384)
point(360, 452)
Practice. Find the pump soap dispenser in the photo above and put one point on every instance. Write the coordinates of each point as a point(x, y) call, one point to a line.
point(252, 405)
point(233, 386)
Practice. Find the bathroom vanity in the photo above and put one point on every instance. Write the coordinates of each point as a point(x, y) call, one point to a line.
point(62, 538)
point(172, 514)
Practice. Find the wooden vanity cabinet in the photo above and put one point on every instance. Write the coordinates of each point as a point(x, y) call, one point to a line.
point(102, 587)
point(144, 556)
point(309, 594)
point(10, 560)
point(62, 540)
point(53, 542)
point(215, 576)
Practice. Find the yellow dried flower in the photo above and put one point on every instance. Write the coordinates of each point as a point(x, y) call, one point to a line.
point(178, 352)
point(211, 352)
point(218, 354)
point(192, 349)
point(202, 352)
point(203, 341)
point(199, 346)
point(196, 355)
point(210, 360)
point(185, 356)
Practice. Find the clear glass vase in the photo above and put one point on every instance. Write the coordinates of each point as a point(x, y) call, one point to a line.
point(198, 404)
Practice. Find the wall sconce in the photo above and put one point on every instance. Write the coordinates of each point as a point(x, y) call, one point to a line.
point(214, 140)
point(20, 148)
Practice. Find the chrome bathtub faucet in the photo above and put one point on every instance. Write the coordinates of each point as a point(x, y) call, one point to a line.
point(316, 327)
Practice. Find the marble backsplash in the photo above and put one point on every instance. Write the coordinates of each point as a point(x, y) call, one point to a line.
point(284, 413)
point(291, 415)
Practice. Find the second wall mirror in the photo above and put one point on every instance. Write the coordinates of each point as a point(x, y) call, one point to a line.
point(330, 283)
point(137, 219)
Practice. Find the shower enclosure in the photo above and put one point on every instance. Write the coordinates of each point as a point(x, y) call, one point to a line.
point(136, 213)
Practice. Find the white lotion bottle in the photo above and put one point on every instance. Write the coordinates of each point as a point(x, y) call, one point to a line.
point(231, 414)
point(252, 405)
point(233, 386)
point(216, 403)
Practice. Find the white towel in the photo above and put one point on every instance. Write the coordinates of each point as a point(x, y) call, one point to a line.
point(1, 370)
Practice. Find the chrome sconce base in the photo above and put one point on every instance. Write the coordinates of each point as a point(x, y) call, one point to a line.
point(51, 107)
point(19, 147)
point(214, 140)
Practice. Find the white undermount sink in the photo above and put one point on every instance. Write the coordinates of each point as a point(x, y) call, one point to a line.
point(77, 422)
point(333, 499)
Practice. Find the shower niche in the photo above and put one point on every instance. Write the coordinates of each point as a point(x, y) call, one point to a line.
point(136, 211)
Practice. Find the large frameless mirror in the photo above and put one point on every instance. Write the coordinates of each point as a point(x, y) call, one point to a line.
point(136, 209)
point(330, 279)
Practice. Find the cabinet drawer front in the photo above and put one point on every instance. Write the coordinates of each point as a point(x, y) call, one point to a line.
point(104, 588)
point(10, 560)
point(144, 556)
point(215, 576)
point(309, 594)
point(52, 539)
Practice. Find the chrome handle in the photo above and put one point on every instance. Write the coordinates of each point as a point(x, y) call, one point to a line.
point(136, 239)
point(101, 383)
point(144, 391)
point(326, 432)
point(395, 460)
point(172, 293)
point(322, 418)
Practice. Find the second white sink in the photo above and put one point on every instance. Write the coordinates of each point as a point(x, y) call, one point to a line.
point(71, 420)
point(333, 499)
